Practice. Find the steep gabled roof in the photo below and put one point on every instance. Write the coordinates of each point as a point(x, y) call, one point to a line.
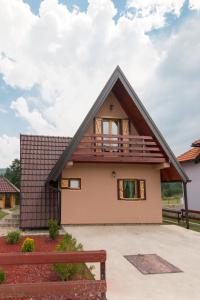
point(6, 186)
point(120, 85)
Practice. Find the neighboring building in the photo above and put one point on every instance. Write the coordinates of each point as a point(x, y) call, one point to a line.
point(110, 172)
point(190, 162)
point(7, 193)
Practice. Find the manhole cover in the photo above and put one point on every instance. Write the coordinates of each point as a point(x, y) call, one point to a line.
point(151, 264)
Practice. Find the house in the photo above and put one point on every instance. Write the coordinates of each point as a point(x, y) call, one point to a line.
point(110, 172)
point(8, 193)
point(190, 162)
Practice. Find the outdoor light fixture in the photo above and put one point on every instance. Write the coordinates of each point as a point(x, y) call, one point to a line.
point(113, 174)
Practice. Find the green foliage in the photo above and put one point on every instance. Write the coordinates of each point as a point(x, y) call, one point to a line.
point(68, 271)
point(2, 275)
point(171, 189)
point(13, 237)
point(13, 173)
point(53, 229)
point(28, 245)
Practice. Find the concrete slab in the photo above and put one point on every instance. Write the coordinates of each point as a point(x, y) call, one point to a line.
point(177, 245)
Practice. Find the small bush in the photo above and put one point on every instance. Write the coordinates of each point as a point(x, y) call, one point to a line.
point(13, 237)
point(2, 275)
point(53, 229)
point(68, 271)
point(28, 245)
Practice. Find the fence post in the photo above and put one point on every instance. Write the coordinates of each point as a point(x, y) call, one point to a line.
point(186, 205)
point(103, 277)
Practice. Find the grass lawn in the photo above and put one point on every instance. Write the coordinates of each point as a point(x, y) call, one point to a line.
point(172, 200)
point(14, 208)
point(2, 214)
point(193, 225)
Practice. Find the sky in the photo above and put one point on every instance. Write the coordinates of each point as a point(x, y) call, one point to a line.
point(56, 56)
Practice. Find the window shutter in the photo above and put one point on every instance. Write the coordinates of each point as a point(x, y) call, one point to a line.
point(142, 189)
point(125, 131)
point(120, 189)
point(64, 183)
point(98, 130)
point(98, 126)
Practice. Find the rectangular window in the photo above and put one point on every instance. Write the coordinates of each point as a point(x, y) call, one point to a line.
point(71, 183)
point(131, 189)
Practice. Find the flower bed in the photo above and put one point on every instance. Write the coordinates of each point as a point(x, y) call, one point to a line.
point(32, 273)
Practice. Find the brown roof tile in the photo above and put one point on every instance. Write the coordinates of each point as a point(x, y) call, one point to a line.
point(6, 186)
point(38, 156)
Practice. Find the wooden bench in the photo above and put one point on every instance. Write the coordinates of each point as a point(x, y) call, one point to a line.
point(79, 289)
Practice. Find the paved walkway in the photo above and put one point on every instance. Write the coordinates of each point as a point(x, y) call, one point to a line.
point(177, 245)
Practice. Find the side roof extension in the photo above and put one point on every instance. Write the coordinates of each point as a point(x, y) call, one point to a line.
point(116, 75)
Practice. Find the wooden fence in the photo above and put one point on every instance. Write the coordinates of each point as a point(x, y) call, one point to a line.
point(180, 214)
point(79, 289)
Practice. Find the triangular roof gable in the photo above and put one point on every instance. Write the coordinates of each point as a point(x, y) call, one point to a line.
point(117, 76)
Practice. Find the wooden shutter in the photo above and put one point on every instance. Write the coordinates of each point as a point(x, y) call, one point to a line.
point(142, 189)
point(98, 130)
point(64, 184)
point(120, 189)
point(125, 132)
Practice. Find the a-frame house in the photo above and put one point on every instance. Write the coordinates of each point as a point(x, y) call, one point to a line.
point(110, 172)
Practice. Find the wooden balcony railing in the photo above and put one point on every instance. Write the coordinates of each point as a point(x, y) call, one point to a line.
point(118, 148)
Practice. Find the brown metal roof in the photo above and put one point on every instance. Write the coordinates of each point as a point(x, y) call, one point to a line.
point(38, 156)
point(6, 186)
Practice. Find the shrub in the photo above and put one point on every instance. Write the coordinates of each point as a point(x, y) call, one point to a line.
point(53, 229)
point(28, 245)
point(13, 237)
point(2, 275)
point(67, 271)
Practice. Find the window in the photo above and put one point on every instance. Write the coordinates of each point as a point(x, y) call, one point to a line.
point(131, 189)
point(71, 183)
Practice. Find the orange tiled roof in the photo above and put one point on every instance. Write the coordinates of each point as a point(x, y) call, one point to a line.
point(189, 155)
point(196, 143)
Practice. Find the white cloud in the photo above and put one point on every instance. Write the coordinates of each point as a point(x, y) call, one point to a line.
point(69, 56)
point(9, 150)
point(151, 14)
point(194, 4)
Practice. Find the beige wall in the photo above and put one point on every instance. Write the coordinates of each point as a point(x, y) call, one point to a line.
point(97, 201)
point(117, 113)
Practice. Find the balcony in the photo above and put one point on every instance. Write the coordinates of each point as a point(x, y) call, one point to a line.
point(118, 149)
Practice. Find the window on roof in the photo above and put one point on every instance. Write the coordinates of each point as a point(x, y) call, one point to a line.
point(71, 183)
point(131, 189)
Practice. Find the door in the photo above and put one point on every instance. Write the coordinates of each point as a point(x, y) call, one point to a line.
point(111, 127)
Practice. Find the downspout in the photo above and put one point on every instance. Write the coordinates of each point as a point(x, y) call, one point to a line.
point(186, 204)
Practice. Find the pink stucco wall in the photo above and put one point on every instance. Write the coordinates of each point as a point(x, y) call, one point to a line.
point(97, 201)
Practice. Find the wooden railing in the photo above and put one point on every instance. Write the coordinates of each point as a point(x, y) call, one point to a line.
point(79, 289)
point(180, 214)
point(118, 148)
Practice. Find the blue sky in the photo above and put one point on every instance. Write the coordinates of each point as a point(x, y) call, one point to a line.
point(55, 57)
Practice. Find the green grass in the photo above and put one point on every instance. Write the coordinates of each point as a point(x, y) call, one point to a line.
point(172, 200)
point(14, 208)
point(2, 214)
point(194, 225)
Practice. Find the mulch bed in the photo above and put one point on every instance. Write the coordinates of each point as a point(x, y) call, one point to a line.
point(30, 273)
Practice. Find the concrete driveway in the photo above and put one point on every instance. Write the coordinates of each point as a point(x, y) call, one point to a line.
point(177, 245)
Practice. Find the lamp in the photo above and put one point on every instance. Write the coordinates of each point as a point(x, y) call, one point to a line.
point(113, 174)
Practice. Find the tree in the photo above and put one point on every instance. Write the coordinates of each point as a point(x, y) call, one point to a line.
point(13, 173)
